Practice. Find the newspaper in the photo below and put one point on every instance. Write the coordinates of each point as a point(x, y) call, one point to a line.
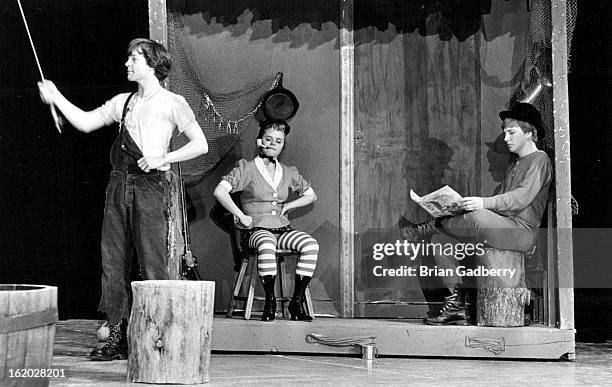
point(442, 202)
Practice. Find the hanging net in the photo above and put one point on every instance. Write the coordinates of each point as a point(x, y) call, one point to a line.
point(536, 86)
point(222, 116)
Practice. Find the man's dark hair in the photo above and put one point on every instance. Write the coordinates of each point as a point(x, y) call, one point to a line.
point(156, 55)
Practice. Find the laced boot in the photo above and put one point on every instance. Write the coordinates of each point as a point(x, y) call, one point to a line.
point(452, 312)
point(269, 312)
point(415, 233)
point(296, 305)
point(116, 344)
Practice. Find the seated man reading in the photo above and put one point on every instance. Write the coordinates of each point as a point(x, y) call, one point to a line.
point(506, 221)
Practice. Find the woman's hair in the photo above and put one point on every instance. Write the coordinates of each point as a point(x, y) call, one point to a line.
point(156, 55)
point(275, 125)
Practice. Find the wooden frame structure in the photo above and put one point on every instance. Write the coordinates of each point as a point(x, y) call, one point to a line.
point(399, 337)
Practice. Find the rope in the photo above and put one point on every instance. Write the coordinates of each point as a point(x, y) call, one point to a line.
point(319, 338)
point(42, 77)
point(495, 346)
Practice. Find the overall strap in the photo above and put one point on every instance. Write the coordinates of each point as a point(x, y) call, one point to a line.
point(125, 109)
point(119, 157)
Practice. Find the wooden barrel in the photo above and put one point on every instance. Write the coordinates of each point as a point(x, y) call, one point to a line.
point(28, 314)
point(502, 298)
point(169, 332)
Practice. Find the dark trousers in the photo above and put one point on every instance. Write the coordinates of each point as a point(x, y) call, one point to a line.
point(480, 226)
point(135, 217)
point(492, 229)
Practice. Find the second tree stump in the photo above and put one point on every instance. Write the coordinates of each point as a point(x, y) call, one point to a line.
point(502, 299)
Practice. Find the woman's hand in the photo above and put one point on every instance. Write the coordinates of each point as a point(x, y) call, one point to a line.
point(471, 203)
point(285, 210)
point(302, 201)
point(246, 220)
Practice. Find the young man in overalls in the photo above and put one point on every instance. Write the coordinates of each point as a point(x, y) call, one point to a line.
point(137, 196)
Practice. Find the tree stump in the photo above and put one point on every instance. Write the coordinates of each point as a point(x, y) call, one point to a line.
point(502, 299)
point(169, 332)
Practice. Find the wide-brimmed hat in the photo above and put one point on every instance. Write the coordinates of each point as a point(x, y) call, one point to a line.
point(527, 113)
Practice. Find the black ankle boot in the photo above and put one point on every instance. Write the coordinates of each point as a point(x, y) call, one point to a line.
point(415, 233)
point(452, 312)
point(269, 312)
point(296, 305)
point(116, 344)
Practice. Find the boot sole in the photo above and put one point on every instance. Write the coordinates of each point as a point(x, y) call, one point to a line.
point(108, 358)
point(454, 322)
point(305, 319)
point(99, 357)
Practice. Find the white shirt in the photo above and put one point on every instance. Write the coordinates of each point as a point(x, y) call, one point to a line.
point(150, 121)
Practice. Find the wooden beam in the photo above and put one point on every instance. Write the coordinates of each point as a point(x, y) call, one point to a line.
point(158, 27)
point(347, 185)
point(565, 268)
point(551, 295)
point(158, 21)
point(392, 338)
point(158, 31)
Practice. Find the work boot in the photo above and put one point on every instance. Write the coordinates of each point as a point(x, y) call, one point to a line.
point(296, 305)
point(415, 233)
point(116, 345)
point(269, 312)
point(452, 312)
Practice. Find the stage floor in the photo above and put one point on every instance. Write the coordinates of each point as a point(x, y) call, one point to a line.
point(75, 338)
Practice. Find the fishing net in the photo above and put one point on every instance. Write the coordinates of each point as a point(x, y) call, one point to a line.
point(535, 87)
point(222, 116)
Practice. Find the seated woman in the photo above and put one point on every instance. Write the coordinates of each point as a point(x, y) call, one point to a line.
point(265, 184)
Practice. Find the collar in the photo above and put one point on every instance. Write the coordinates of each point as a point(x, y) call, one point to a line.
point(262, 156)
point(278, 172)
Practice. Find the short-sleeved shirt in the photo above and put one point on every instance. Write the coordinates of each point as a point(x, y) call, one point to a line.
point(262, 195)
point(152, 120)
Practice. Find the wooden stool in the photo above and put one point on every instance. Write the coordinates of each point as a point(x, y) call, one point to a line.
point(501, 299)
point(251, 259)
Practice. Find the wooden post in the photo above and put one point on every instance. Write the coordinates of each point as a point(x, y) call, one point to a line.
point(347, 184)
point(550, 291)
point(169, 332)
point(563, 178)
point(502, 299)
point(175, 241)
point(158, 31)
point(158, 21)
